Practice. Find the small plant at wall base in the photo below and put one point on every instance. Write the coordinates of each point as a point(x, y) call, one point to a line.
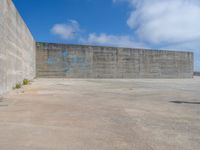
point(26, 82)
point(18, 86)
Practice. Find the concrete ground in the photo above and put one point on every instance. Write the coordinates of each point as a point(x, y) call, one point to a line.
point(66, 114)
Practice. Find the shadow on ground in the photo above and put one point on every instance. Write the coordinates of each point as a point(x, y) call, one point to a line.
point(184, 102)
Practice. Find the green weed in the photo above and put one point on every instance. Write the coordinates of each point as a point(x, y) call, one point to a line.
point(26, 82)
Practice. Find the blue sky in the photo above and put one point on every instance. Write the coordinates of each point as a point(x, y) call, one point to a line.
point(161, 24)
point(93, 16)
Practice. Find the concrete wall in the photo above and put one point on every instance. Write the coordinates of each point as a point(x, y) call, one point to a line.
point(76, 61)
point(17, 48)
point(196, 73)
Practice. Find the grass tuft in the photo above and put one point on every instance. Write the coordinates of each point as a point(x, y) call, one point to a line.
point(18, 86)
point(26, 82)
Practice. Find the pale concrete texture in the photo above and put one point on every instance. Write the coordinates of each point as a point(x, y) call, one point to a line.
point(62, 114)
point(82, 61)
point(196, 73)
point(17, 48)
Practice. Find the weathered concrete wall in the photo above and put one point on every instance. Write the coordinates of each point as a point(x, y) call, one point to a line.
point(17, 48)
point(196, 73)
point(76, 61)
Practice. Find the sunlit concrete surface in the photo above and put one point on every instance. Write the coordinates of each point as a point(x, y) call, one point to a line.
point(66, 114)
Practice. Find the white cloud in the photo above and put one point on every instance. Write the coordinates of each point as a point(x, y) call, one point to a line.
point(170, 21)
point(66, 31)
point(166, 21)
point(113, 40)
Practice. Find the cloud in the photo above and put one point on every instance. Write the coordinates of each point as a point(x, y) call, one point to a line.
point(67, 31)
point(166, 21)
point(170, 21)
point(113, 40)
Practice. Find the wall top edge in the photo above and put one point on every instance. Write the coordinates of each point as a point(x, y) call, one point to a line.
point(113, 47)
point(20, 16)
